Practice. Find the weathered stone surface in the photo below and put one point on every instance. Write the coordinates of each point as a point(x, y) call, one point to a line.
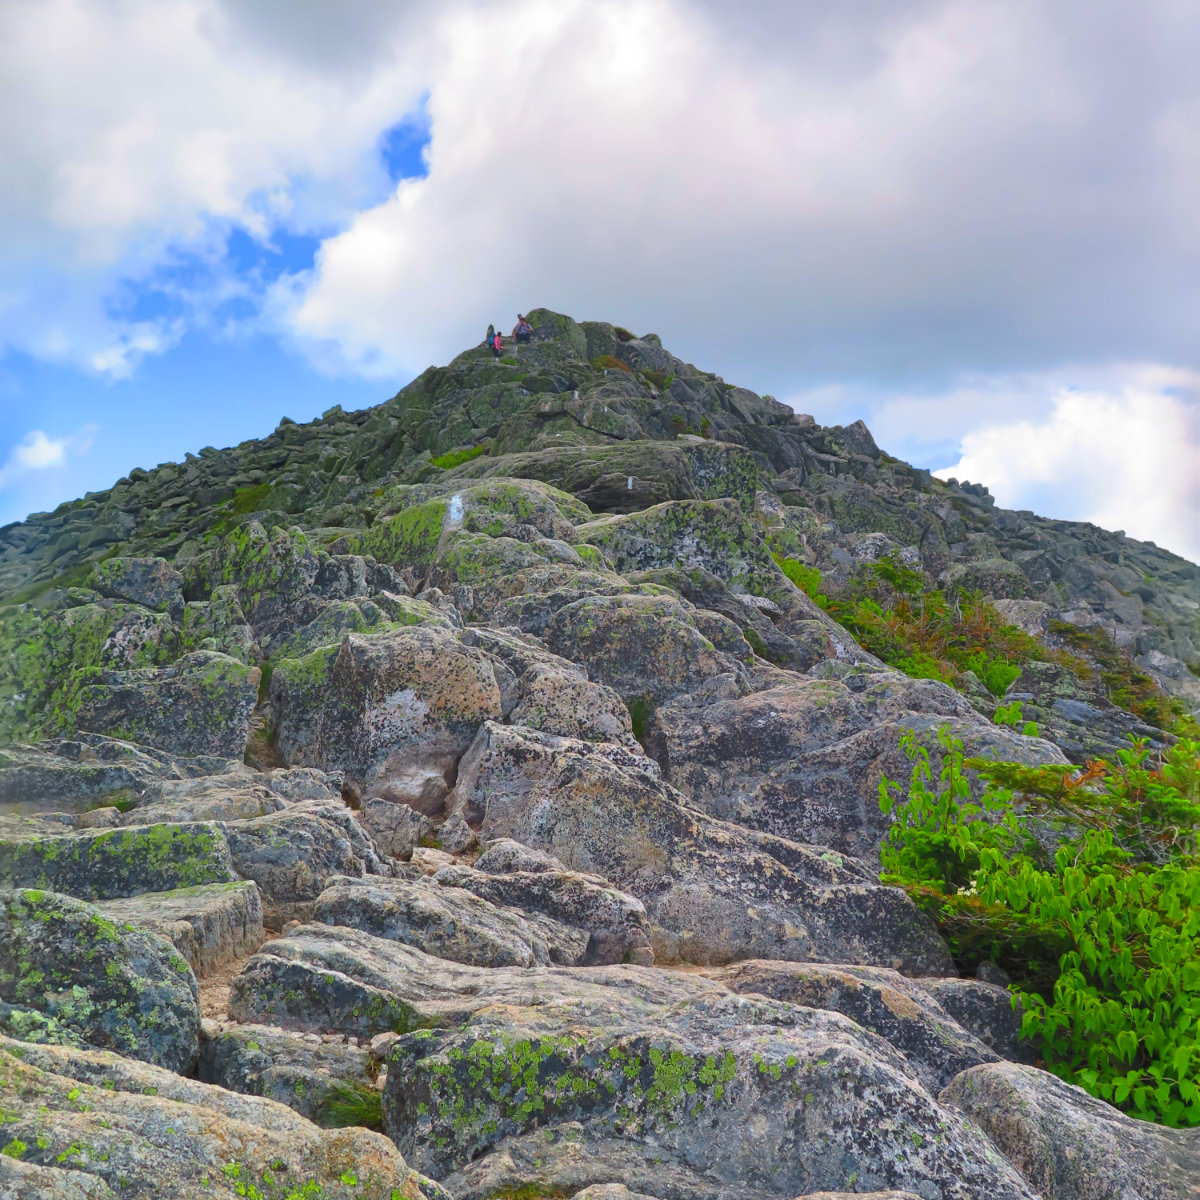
point(613, 925)
point(803, 759)
point(712, 535)
point(226, 797)
point(76, 774)
point(211, 926)
point(1071, 1146)
point(152, 582)
point(713, 892)
point(106, 864)
point(199, 705)
point(66, 967)
point(395, 827)
point(885, 1002)
point(776, 1099)
point(389, 711)
point(641, 646)
point(324, 977)
point(560, 701)
point(987, 1011)
point(27, 1181)
point(447, 922)
point(293, 854)
point(148, 1134)
point(302, 1071)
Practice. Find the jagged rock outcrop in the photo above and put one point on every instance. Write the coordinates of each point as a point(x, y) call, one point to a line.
point(506, 689)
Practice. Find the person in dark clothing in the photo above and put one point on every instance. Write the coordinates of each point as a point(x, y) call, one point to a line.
point(523, 331)
point(491, 336)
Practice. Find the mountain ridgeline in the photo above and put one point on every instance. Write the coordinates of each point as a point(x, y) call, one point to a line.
point(479, 796)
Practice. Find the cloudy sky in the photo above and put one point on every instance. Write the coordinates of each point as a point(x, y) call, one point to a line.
point(974, 223)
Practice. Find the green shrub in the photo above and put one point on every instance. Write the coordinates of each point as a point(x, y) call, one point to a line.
point(349, 1103)
point(1013, 716)
point(1101, 934)
point(806, 578)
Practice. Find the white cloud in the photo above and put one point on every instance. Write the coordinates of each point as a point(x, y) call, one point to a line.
point(37, 452)
point(899, 192)
point(1125, 455)
point(129, 130)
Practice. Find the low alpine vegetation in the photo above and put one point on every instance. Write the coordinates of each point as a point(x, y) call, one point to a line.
point(1084, 885)
point(925, 634)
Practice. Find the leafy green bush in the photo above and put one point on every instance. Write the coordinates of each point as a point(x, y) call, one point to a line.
point(806, 578)
point(1087, 890)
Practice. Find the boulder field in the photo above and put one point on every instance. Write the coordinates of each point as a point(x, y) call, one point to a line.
point(457, 799)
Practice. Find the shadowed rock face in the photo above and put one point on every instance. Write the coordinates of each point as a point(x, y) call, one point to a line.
point(500, 686)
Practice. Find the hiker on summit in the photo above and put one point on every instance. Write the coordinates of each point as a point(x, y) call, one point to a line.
point(523, 330)
point(491, 336)
point(497, 345)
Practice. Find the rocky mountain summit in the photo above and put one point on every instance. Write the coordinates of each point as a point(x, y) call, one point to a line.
point(476, 796)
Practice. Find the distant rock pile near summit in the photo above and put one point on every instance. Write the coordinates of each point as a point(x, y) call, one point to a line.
point(498, 767)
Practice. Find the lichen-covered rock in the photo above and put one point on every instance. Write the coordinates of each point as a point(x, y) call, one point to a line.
point(641, 646)
point(148, 1134)
point(292, 855)
point(211, 926)
point(1071, 1146)
point(76, 774)
point(713, 892)
point(226, 797)
point(198, 705)
point(771, 1098)
point(987, 1011)
point(803, 759)
point(396, 828)
point(612, 925)
point(447, 922)
point(27, 1181)
point(885, 1002)
point(306, 1072)
point(64, 965)
point(330, 978)
point(708, 535)
point(560, 701)
point(110, 863)
point(389, 709)
point(152, 582)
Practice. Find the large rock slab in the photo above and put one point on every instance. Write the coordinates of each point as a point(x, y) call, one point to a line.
point(897, 1009)
point(147, 1134)
point(803, 759)
point(68, 972)
point(307, 1072)
point(198, 705)
point(293, 854)
point(714, 893)
point(1071, 1146)
point(769, 1098)
point(613, 925)
point(642, 646)
point(388, 710)
point(447, 922)
point(108, 863)
point(328, 978)
point(211, 926)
